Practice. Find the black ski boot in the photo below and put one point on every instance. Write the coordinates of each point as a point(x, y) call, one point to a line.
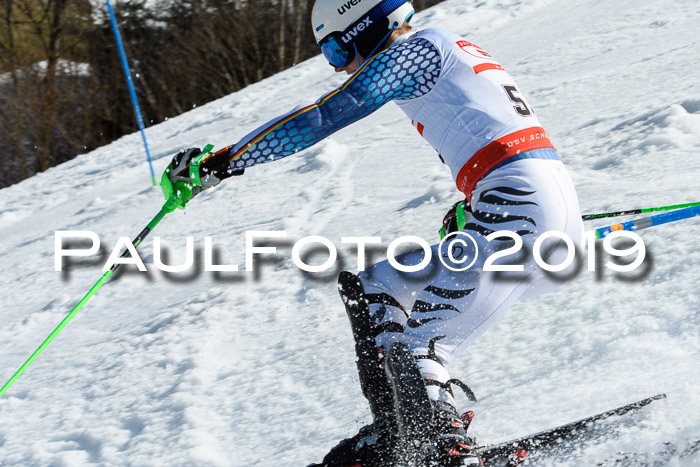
point(452, 445)
point(431, 433)
point(375, 444)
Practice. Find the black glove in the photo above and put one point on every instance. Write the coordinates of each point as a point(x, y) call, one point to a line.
point(189, 174)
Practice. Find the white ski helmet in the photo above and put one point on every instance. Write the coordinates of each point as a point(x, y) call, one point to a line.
point(345, 27)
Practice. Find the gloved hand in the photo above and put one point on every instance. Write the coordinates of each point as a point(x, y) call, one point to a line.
point(192, 171)
point(456, 218)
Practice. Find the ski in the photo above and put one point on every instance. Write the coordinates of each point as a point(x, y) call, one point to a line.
point(414, 419)
point(511, 453)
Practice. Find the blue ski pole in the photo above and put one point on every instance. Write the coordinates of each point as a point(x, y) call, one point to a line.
point(130, 83)
point(646, 222)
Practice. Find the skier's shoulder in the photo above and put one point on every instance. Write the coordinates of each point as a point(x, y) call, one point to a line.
point(425, 42)
point(440, 40)
point(451, 45)
point(437, 36)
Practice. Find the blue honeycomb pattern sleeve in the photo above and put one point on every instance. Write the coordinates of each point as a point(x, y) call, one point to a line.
point(405, 71)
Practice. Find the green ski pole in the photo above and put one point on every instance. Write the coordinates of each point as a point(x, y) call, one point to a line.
point(174, 197)
point(588, 217)
point(85, 299)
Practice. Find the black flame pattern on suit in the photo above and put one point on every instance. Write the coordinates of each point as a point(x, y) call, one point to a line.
point(479, 228)
point(494, 196)
point(421, 306)
point(432, 355)
point(488, 198)
point(448, 294)
point(384, 300)
point(491, 218)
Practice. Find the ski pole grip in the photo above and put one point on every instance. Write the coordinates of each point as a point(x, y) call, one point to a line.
point(196, 162)
point(172, 200)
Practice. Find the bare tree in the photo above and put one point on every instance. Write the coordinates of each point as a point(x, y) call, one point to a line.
point(61, 84)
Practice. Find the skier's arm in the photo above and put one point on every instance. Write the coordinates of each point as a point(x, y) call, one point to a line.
point(406, 71)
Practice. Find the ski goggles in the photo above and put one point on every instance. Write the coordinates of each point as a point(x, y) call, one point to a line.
point(338, 56)
point(339, 48)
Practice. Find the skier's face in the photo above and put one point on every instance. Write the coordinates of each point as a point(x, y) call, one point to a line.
point(351, 67)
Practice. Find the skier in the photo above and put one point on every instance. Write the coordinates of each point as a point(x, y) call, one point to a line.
point(467, 107)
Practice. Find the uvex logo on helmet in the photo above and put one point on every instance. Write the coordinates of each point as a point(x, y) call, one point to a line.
point(356, 30)
point(346, 6)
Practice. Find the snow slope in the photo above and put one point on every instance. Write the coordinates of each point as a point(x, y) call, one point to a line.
point(241, 369)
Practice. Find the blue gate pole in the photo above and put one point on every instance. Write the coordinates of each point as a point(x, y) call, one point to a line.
point(130, 83)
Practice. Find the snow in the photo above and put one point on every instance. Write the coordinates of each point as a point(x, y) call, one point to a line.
point(203, 368)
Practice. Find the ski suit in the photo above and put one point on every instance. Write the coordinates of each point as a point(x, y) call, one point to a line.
point(467, 107)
